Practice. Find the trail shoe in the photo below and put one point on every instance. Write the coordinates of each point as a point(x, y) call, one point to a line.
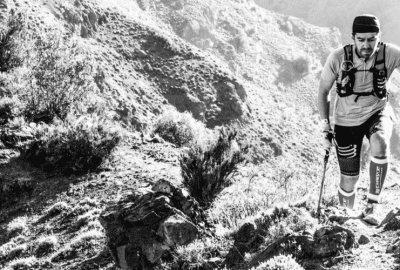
point(370, 213)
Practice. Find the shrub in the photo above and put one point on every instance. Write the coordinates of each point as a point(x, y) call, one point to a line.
point(74, 146)
point(206, 172)
point(281, 262)
point(56, 75)
point(8, 109)
point(45, 245)
point(10, 48)
point(179, 128)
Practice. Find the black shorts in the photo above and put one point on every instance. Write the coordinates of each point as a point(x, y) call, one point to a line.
point(349, 140)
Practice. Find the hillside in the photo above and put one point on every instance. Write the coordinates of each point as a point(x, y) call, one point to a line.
point(340, 15)
point(235, 65)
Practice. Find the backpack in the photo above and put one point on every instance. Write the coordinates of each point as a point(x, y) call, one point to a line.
point(345, 82)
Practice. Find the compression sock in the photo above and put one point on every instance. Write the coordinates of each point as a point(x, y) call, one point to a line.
point(346, 199)
point(377, 173)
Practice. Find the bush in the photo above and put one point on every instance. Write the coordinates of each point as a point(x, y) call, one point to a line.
point(8, 109)
point(281, 262)
point(206, 172)
point(55, 77)
point(179, 128)
point(10, 48)
point(73, 146)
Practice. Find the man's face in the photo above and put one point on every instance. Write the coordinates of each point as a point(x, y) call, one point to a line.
point(366, 43)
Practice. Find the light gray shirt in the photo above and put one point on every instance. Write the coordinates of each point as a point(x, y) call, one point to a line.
point(348, 111)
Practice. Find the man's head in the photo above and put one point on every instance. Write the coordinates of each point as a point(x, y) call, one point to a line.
point(366, 34)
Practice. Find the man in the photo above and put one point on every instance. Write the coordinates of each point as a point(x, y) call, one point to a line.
point(360, 72)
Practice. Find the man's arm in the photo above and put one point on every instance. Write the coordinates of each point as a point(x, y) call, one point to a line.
point(323, 100)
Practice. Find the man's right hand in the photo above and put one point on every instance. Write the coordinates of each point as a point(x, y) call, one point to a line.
point(327, 136)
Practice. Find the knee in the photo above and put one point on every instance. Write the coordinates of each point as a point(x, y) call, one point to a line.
point(379, 144)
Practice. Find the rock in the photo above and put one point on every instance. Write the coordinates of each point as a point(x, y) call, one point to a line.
point(393, 224)
point(391, 219)
point(363, 240)
point(148, 224)
point(326, 242)
point(245, 238)
point(394, 247)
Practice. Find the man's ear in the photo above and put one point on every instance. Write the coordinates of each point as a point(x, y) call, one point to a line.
point(352, 36)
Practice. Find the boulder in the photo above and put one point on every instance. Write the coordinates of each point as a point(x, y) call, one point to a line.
point(146, 225)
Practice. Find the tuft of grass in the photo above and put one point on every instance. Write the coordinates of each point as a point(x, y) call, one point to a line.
point(166, 42)
point(12, 250)
point(57, 209)
point(196, 254)
point(89, 201)
point(9, 110)
point(17, 226)
point(87, 217)
point(81, 243)
point(207, 171)
point(45, 245)
point(281, 262)
point(180, 129)
point(23, 263)
point(17, 251)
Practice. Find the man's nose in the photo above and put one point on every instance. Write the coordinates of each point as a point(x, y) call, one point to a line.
point(366, 45)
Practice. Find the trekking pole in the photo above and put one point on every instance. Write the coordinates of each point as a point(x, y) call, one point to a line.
point(327, 151)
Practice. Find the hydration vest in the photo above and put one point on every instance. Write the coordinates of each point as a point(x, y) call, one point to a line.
point(345, 82)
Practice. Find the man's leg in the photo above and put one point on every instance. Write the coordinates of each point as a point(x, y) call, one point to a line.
point(379, 135)
point(348, 148)
point(379, 143)
point(347, 190)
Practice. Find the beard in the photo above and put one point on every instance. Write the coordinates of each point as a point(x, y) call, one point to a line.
point(366, 53)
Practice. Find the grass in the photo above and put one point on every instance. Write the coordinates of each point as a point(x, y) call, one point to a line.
point(281, 262)
point(23, 263)
point(84, 242)
point(17, 226)
point(57, 209)
point(45, 245)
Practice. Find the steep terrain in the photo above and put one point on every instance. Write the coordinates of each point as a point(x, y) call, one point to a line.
point(235, 64)
point(340, 14)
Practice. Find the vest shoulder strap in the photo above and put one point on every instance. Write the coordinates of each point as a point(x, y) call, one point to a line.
point(348, 53)
point(380, 57)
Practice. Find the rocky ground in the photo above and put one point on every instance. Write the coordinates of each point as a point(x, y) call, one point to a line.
point(80, 200)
